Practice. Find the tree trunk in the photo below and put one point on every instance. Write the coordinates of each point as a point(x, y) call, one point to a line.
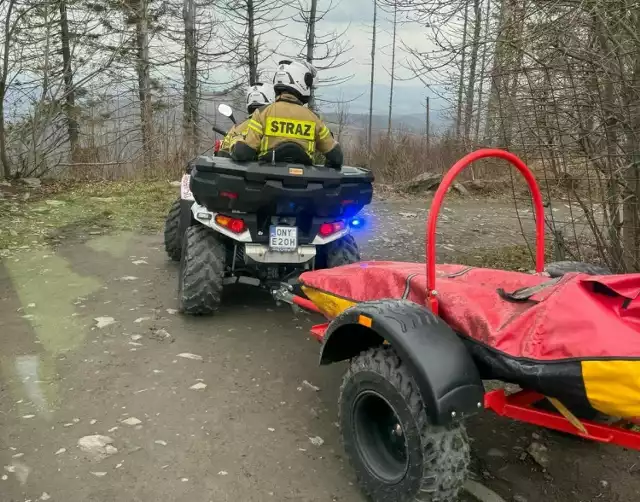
point(343, 112)
point(516, 37)
point(190, 98)
point(496, 75)
point(631, 218)
point(428, 125)
point(473, 60)
point(252, 49)
point(483, 68)
point(311, 42)
point(462, 68)
point(373, 69)
point(144, 80)
point(6, 167)
point(614, 225)
point(393, 64)
point(67, 75)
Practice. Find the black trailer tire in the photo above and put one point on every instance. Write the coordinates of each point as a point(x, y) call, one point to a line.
point(172, 237)
point(436, 459)
point(344, 251)
point(201, 271)
point(560, 268)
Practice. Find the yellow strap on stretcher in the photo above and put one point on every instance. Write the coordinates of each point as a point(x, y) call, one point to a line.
point(564, 411)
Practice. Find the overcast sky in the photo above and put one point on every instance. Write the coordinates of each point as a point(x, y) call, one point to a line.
point(356, 17)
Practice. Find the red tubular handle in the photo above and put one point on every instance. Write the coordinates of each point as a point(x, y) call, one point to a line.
point(305, 304)
point(448, 180)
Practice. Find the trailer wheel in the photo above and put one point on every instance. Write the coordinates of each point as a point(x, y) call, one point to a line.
point(397, 455)
point(201, 271)
point(172, 237)
point(344, 251)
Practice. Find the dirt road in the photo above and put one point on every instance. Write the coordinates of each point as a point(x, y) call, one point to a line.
point(227, 409)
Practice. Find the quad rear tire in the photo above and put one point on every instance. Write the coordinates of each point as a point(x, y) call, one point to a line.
point(201, 271)
point(398, 456)
point(172, 237)
point(344, 251)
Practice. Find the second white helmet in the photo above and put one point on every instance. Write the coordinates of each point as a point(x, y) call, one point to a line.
point(259, 95)
point(297, 77)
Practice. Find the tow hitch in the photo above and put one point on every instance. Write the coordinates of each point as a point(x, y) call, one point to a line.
point(284, 294)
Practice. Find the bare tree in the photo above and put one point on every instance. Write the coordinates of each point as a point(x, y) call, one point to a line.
point(473, 63)
point(342, 118)
point(67, 71)
point(442, 65)
point(139, 21)
point(327, 51)
point(246, 22)
point(9, 27)
point(392, 71)
point(508, 53)
point(373, 72)
point(190, 89)
point(483, 67)
point(141, 16)
point(461, 77)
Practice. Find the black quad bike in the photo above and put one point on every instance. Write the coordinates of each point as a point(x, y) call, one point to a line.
point(264, 223)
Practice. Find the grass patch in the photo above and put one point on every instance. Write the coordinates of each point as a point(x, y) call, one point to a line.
point(84, 209)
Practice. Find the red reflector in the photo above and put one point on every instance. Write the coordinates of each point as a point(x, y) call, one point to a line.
point(217, 145)
point(347, 202)
point(327, 229)
point(236, 225)
point(229, 195)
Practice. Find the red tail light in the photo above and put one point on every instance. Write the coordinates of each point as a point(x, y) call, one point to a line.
point(327, 229)
point(236, 225)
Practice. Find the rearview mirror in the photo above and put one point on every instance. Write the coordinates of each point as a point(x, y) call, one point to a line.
point(226, 110)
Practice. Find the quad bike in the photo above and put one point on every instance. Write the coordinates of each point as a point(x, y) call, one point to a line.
point(418, 355)
point(179, 216)
point(262, 224)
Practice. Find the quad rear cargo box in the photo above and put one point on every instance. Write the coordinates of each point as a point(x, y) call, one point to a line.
point(222, 185)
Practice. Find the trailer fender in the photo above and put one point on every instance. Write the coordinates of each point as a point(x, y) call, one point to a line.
point(441, 366)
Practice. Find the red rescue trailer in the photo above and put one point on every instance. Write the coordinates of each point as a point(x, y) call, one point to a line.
point(421, 341)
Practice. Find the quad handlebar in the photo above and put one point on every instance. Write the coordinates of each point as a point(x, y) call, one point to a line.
point(446, 183)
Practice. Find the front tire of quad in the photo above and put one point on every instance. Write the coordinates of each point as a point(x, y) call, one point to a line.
point(172, 237)
point(344, 251)
point(398, 456)
point(201, 271)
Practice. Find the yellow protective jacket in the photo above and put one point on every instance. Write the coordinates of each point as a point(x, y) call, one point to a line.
point(233, 135)
point(287, 120)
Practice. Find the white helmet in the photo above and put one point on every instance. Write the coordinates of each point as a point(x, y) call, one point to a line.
point(259, 95)
point(296, 77)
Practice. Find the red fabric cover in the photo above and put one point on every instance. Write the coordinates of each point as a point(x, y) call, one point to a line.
point(569, 320)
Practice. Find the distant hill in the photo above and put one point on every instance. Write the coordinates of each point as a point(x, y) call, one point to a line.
point(413, 123)
point(409, 111)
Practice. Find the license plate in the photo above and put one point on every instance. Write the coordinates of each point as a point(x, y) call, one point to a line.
point(185, 189)
point(283, 238)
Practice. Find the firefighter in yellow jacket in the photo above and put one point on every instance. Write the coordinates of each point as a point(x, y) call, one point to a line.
point(258, 96)
point(288, 121)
